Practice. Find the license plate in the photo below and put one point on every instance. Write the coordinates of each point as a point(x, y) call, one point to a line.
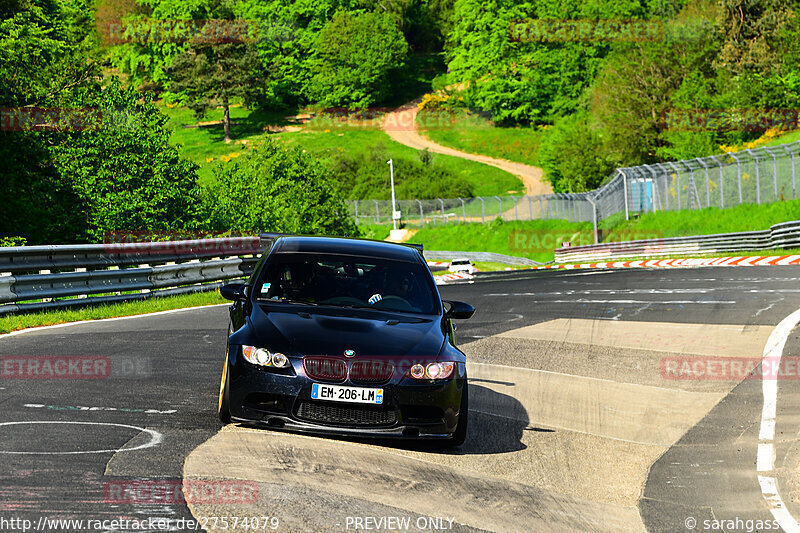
point(337, 393)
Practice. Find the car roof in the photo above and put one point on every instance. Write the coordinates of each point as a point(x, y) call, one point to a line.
point(346, 246)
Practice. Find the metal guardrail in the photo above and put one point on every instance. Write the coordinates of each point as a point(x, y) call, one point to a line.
point(45, 277)
point(784, 235)
point(435, 255)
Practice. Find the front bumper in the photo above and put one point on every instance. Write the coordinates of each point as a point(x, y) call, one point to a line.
point(411, 409)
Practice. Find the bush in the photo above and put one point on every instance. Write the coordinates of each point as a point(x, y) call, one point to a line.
point(365, 175)
point(572, 157)
point(276, 189)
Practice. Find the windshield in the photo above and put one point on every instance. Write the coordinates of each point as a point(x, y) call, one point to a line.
point(346, 281)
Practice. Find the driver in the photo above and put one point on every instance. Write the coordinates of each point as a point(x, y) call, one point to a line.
point(296, 279)
point(399, 286)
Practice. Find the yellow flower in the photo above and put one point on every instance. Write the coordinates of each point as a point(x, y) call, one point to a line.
point(209, 159)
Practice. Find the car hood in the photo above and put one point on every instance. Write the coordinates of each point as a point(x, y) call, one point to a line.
point(314, 331)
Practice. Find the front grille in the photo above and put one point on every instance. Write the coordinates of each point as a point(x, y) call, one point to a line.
point(325, 368)
point(349, 416)
point(371, 372)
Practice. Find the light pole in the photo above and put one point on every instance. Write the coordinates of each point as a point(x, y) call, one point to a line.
point(395, 213)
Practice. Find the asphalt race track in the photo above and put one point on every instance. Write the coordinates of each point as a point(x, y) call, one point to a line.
point(578, 421)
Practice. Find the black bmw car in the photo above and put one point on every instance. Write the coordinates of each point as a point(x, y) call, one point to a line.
point(346, 337)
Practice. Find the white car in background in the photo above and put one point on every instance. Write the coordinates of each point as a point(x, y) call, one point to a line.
point(462, 265)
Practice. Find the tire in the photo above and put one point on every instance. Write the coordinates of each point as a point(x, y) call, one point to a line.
point(460, 434)
point(224, 408)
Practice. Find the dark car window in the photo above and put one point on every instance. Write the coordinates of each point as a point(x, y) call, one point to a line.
point(347, 281)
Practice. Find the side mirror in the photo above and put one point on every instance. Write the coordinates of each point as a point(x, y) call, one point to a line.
point(234, 291)
point(458, 310)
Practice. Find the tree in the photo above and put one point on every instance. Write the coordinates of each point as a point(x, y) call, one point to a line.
point(122, 170)
point(572, 155)
point(99, 160)
point(276, 189)
point(354, 57)
point(41, 64)
point(221, 71)
point(517, 68)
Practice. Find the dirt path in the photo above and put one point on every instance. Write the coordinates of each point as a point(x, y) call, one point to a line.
point(400, 125)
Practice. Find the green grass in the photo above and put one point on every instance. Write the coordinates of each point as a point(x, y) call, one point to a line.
point(322, 139)
point(529, 239)
point(478, 135)
point(708, 221)
point(536, 239)
point(790, 137)
point(15, 322)
point(485, 180)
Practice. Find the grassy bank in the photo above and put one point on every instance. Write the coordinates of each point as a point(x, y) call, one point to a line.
point(15, 322)
point(478, 135)
point(532, 239)
point(536, 239)
point(706, 221)
point(206, 147)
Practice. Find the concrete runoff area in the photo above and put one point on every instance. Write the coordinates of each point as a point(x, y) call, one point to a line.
point(571, 451)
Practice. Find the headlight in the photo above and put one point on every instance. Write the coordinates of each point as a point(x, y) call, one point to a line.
point(432, 371)
point(263, 357)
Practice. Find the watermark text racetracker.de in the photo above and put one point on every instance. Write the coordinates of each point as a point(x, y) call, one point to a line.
point(709, 368)
point(533, 241)
point(74, 367)
point(200, 523)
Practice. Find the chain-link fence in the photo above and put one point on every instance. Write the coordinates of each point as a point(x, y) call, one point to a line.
point(758, 175)
point(421, 213)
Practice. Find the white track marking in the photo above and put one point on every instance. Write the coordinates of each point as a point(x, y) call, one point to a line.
point(155, 437)
point(54, 326)
point(765, 459)
point(672, 302)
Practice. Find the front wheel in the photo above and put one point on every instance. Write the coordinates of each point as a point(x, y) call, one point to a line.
point(224, 408)
point(460, 434)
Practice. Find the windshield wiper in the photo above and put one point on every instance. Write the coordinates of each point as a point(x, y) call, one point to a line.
point(287, 301)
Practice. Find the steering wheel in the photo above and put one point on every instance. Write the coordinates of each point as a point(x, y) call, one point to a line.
point(396, 303)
